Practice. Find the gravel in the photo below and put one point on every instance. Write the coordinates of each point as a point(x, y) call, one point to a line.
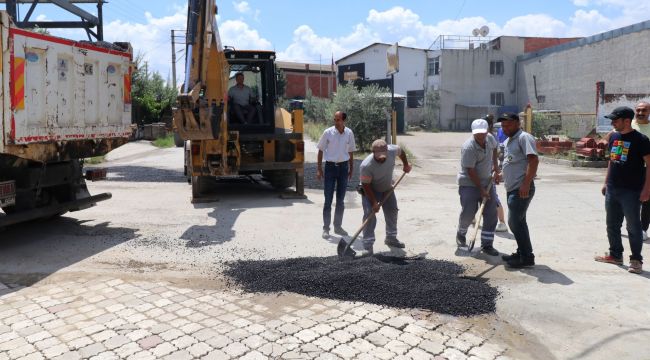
point(312, 183)
point(434, 285)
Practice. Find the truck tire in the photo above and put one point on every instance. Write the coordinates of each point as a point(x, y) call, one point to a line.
point(201, 185)
point(280, 179)
point(178, 141)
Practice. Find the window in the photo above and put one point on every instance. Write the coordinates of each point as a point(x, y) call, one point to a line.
point(496, 67)
point(497, 98)
point(415, 98)
point(434, 66)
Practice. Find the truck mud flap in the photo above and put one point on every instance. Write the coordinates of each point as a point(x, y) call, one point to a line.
point(48, 211)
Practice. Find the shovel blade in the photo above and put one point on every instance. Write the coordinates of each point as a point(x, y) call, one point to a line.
point(345, 252)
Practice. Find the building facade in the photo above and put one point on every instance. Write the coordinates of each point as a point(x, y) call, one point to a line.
point(477, 75)
point(589, 75)
point(319, 79)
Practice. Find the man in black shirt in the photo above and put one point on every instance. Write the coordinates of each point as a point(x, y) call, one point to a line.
point(627, 184)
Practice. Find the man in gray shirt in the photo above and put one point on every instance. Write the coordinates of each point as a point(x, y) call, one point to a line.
point(377, 178)
point(477, 162)
point(519, 169)
point(241, 98)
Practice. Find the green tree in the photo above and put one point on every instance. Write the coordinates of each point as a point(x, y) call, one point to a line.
point(151, 94)
point(431, 117)
point(368, 110)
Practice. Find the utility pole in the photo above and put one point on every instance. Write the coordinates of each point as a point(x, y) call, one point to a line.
point(173, 61)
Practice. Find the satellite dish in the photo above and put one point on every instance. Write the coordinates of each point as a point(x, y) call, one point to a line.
point(484, 30)
point(476, 32)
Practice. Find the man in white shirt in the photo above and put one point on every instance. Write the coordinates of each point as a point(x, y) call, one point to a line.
point(336, 146)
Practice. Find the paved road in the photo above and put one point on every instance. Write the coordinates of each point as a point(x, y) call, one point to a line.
point(139, 276)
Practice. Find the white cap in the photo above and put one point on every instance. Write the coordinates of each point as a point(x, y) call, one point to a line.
point(479, 126)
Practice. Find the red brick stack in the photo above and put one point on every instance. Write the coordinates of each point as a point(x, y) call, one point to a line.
point(554, 146)
point(589, 148)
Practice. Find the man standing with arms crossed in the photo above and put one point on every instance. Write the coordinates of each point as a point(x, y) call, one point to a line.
point(627, 184)
point(519, 169)
point(642, 125)
point(336, 146)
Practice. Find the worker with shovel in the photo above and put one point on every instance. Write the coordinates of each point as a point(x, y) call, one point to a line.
point(478, 160)
point(377, 179)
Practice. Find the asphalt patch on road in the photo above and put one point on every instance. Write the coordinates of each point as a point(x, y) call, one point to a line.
point(434, 285)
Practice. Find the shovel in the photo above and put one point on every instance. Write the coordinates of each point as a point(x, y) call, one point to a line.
point(344, 248)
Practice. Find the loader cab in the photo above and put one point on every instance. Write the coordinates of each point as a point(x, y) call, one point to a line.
point(258, 70)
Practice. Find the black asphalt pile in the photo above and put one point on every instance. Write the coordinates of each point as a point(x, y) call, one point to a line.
point(424, 284)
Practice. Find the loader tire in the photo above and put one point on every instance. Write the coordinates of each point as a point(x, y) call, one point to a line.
point(280, 179)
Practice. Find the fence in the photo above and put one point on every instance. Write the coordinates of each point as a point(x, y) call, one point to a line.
point(572, 125)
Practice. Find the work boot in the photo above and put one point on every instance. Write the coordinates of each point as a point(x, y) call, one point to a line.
point(510, 257)
point(367, 251)
point(326, 234)
point(461, 240)
point(340, 231)
point(522, 262)
point(635, 267)
point(393, 242)
point(490, 250)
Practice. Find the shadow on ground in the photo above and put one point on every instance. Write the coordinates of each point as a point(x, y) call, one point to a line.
point(144, 174)
point(543, 273)
point(434, 285)
point(32, 251)
point(235, 196)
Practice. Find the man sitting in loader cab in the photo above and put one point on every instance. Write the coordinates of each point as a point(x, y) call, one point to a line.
point(242, 101)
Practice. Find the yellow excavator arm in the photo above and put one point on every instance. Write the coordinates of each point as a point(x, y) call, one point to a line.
point(201, 110)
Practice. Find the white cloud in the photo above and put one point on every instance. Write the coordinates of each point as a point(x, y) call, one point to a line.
point(545, 26)
point(581, 2)
point(237, 33)
point(242, 7)
point(307, 46)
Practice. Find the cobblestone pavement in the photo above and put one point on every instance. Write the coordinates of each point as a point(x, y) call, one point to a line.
point(101, 317)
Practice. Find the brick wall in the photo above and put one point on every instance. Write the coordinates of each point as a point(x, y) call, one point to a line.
point(536, 44)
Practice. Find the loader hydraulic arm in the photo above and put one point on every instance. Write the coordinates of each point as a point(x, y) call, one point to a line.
point(200, 114)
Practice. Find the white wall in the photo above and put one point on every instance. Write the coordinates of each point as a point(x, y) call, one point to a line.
point(465, 77)
point(412, 67)
point(567, 78)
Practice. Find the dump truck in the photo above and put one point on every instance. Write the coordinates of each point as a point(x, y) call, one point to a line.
point(218, 143)
point(62, 101)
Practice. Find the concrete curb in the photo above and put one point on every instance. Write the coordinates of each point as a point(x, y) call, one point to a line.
point(574, 163)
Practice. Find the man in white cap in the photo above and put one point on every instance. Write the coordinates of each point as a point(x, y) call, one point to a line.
point(377, 178)
point(478, 160)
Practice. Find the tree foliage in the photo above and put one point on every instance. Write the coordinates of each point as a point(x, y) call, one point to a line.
point(368, 110)
point(152, 96)
point(431, 117)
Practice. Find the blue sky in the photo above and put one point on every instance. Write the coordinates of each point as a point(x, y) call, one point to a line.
point(313, 31)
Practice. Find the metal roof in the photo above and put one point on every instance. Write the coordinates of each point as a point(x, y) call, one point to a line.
point(371, 45)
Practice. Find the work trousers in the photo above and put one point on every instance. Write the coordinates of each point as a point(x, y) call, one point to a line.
point(645, 215)
point(470, 200)
point(336, 179)
point(623, 203)
point(390, 216)
point(517, 208)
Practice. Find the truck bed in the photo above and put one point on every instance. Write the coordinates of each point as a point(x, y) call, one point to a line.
point(57, 91)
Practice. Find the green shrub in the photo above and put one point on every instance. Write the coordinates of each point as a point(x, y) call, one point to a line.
point(367, 109)
point(165, 142)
